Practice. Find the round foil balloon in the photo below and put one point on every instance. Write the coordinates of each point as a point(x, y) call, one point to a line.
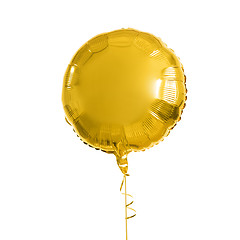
point(124, 91)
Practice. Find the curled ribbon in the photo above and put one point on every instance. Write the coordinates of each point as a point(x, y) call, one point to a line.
point(123, 165)
point(127, 195)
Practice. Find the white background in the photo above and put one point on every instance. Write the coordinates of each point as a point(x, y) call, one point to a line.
point(52, 186)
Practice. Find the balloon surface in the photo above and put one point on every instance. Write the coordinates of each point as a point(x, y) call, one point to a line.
point(123, 91)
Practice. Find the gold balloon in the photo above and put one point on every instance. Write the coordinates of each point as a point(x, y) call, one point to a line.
point(124, 91)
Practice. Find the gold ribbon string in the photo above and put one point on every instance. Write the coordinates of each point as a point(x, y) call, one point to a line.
point(127, 204)
point(123, 165)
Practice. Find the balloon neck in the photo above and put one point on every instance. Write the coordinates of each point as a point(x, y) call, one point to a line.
point(122, 163)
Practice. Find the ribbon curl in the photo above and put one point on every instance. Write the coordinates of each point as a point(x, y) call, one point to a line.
point(126, 194)
point(123, 165)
